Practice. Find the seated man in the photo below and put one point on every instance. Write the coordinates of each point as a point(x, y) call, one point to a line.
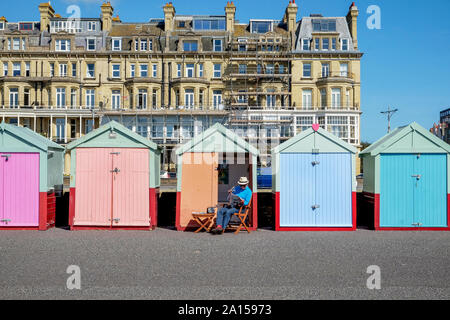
point(244, 195)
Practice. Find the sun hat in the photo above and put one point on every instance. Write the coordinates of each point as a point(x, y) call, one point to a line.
point(243, 181)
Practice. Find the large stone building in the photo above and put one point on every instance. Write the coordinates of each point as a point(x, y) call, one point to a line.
point(169, 79)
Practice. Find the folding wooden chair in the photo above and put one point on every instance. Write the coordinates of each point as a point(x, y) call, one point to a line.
point(242, 215)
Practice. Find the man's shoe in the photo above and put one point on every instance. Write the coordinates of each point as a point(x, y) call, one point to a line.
point(215, 231)
point(220, 231)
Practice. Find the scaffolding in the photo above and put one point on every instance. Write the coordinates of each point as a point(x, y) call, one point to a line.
point(258, 84)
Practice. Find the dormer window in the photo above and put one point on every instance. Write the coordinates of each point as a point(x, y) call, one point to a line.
point(143, 46)
point(91, 44)
point(344, 44)
point(325, 44)
point(116, 44)
point(2, 26)
point(92, 26)
point(324, 25)
point(218, 45)
point(209, 24)
point(190, 46)
point(25, 26)
point(261, 26)
point(305, 45)
point(16, 44)
point(62, 45)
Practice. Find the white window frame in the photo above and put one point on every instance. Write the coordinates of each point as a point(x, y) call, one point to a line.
point(63, 70)
point(154, 70)
point(92, 26)
point(308, 44)
point(142, 94)
point(27, 69)
point(113, 47)
point(90, 98)
point(14, 97)
point(88, 75)
point(200, 70)
point(143, 45)
point(17, 66)
point(115, 70)
point(342, 44)
point(325, 70)
point(61, 101)
point(5, 69)
point(116, 97)
point(323, 98)
point(336, 94)
point(15, 44)
point(60, 129)
point(307, 99)
point(142, 70)
point(74, 69)
point(189, 96)
point(217, 73)
point(2, 25)
point(62, 43)
point(189, 71)
point(217, 99)
point(73, 98)
point(88, 44)
point(214, 45)
point(132, 70)
point(323, 44)
point(310, 70)
point(178, 70)
point(344, 69)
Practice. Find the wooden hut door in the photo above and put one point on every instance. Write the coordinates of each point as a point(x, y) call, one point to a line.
point(199, 185)
point(20, 194)
point(93, 187)
point(131, 188)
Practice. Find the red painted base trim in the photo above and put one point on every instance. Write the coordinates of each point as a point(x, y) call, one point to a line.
point(376, 202)
point(43, 211)
point(178, 213)
point(153, 198)
point(254, 223)
point(347, 229)
point(19, 228)
point(107, 228)
point(279, 228)
point(71, 207)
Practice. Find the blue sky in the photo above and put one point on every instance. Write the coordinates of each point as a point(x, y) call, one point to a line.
point(406, 64)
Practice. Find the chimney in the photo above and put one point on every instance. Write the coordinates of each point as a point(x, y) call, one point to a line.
point(107, 16)
point(291, 16)
point(230, 13)
point(46, 11)
point(352, 21)
point(169, 15)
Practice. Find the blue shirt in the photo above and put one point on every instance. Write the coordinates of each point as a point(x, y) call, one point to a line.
point(244, 194)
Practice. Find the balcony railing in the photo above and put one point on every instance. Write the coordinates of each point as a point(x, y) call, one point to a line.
point(339, 74)
point(51, 107)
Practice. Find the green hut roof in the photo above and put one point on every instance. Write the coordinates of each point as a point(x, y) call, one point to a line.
point(217, 129)
point(116, 127)
point(307, 133)
point(399, 134)
point(30, 136)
